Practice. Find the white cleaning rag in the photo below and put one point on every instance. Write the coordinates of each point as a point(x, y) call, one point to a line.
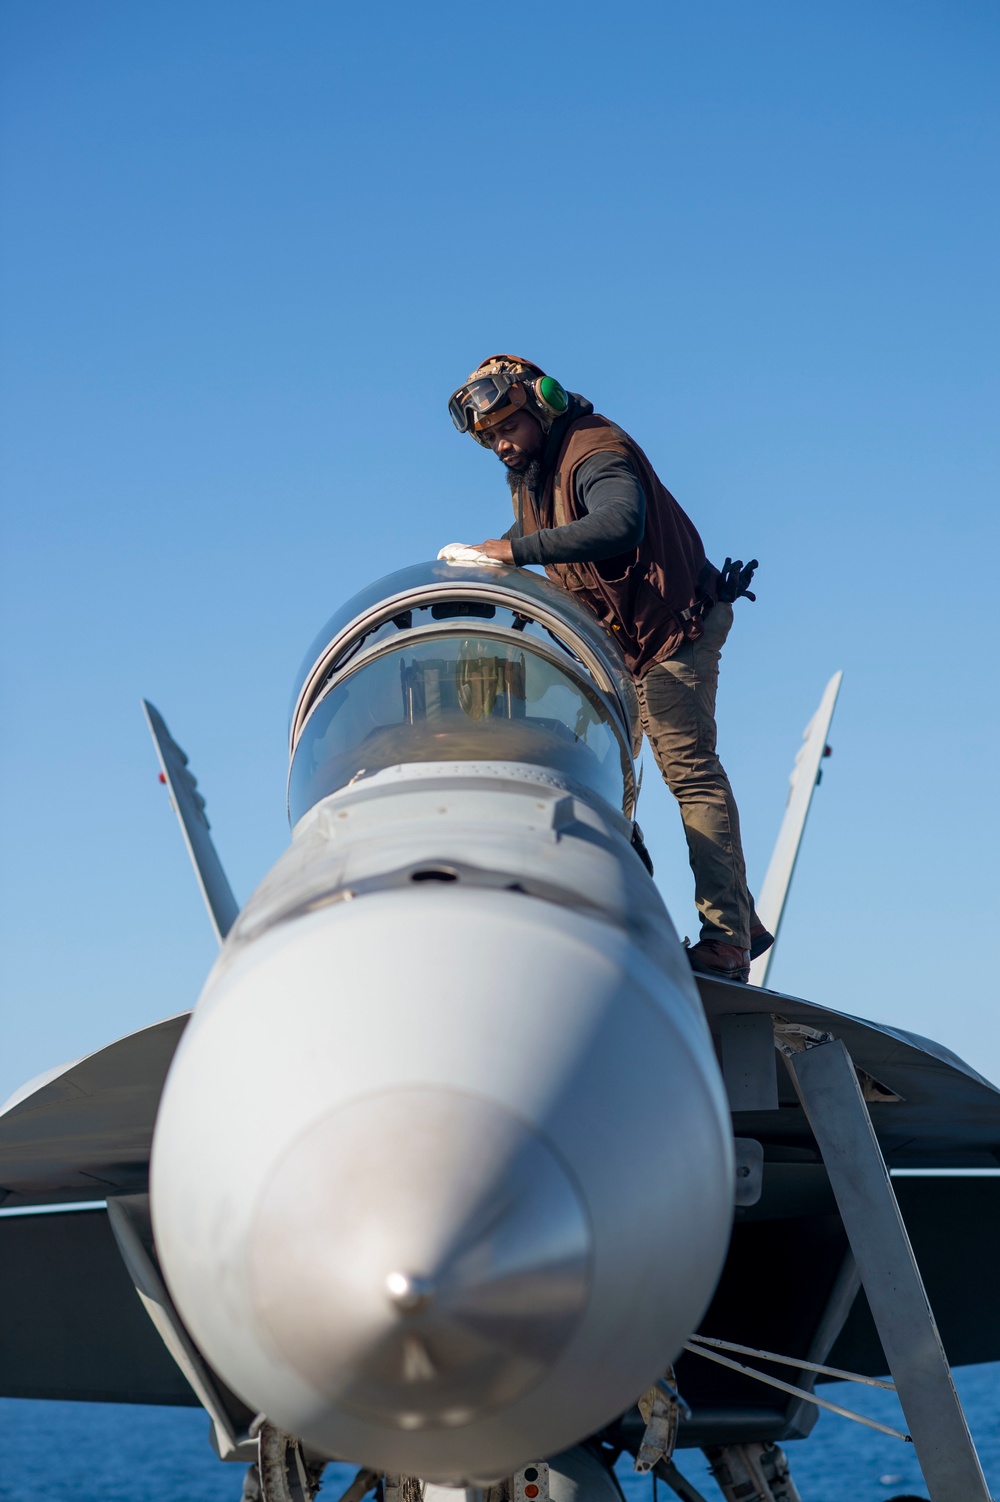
point(461, 552)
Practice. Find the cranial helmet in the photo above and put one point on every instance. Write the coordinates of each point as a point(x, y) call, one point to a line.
point(501, 386)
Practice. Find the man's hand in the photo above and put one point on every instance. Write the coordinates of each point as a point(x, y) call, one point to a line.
point(496, 547)
point(735, 580)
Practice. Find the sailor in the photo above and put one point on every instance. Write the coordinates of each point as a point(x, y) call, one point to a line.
point(590, 508)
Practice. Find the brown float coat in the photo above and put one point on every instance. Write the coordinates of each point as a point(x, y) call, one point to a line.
point(637, 596)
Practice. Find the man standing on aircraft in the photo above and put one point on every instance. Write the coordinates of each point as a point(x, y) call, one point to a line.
point(590, 508)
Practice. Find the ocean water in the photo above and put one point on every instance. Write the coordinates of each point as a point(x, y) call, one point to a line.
point(103, 1452)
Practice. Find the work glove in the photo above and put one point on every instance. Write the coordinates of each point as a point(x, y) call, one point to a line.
point(735, 580)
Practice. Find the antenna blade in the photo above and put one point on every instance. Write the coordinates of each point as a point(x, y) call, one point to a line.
point(189, 807)
point(802, 785)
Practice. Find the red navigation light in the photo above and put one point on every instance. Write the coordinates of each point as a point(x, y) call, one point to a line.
point(163, 777)
point(827, 750)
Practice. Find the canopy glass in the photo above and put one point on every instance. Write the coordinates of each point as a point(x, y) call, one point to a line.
point(460, 697)
point(427, 592)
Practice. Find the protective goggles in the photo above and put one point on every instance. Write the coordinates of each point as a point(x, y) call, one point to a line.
point(490, 397)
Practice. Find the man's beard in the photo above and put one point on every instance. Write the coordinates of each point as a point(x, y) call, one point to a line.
point(529, 473)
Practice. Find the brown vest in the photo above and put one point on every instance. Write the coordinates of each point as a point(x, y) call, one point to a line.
point(636, 596)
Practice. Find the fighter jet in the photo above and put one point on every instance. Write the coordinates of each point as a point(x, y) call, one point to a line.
point(456, 1171)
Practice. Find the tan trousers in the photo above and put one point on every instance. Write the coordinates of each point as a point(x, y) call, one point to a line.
point(677, 704)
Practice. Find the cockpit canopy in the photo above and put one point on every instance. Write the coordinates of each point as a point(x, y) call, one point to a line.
point(446, 663)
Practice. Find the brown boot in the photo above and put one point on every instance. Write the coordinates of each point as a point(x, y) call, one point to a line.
point(712, 957)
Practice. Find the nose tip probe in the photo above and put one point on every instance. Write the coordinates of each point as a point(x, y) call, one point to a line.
point(409, 1292)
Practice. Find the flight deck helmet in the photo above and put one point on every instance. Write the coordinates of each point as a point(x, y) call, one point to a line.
point(501, 386)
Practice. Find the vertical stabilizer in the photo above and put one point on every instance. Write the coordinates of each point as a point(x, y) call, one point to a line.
point(802, 784)
point(189, 806)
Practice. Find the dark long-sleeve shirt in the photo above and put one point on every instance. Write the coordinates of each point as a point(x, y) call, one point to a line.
point(609, 492)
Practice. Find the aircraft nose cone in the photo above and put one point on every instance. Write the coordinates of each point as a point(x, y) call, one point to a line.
point(420, 1256)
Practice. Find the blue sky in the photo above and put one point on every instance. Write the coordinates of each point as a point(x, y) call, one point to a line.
point(248, 251)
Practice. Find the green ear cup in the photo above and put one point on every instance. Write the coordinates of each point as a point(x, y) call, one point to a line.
point(551, 394)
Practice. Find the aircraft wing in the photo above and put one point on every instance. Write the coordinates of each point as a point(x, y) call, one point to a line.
point(789, 1283)
point(930, 1108)
point(87, 1316)
point(84, 1133)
